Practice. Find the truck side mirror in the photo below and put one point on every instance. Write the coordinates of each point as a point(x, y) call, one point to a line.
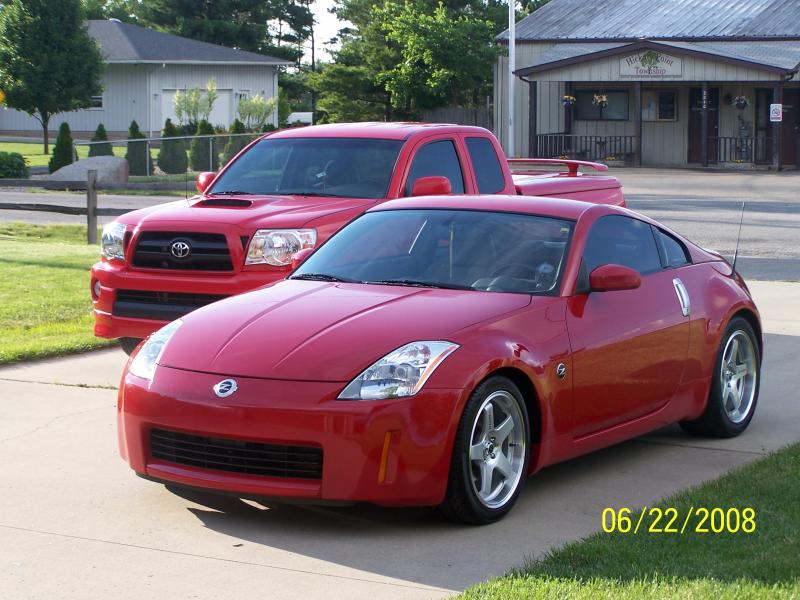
point(433, 185)
point(609, 278)
point(204, 180)
point(301, 257)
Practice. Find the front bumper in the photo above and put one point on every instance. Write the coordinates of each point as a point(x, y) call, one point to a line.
point(114, 319)
point(393, 452)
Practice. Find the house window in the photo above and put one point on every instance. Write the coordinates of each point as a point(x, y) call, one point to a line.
point(659, 105)
point(241, 95)
point(615, 109)
point(96, 102)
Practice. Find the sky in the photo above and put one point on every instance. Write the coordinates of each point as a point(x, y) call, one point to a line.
point(327, 27)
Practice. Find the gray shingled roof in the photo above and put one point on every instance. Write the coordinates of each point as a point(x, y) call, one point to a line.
point(125, 43)
point(608, 20)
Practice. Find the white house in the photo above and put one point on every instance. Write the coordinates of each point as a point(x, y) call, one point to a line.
point(144, 70)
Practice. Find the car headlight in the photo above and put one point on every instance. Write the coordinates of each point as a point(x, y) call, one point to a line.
point(146, 361)
point(113, 240)
point(277, 247)
point(400, 373)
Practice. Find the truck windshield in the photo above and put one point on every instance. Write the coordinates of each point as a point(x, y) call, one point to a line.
point(344, 167)
point(454, 249)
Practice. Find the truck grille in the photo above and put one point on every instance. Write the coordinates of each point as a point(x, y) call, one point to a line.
point(195, 251)
point(252, 458)
point(160, 306)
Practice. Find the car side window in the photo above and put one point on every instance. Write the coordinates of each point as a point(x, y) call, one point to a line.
point(437, 158)
point(487, 168)
point(623, 241)
point(673, 251)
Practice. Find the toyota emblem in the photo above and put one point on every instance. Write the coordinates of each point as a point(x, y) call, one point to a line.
point(225, 388)
point(180, 249)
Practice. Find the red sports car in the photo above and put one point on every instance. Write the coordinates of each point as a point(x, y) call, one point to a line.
point(436, 351)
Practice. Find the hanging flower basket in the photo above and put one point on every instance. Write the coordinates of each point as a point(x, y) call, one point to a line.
point(741, 102)
point(568, 100)
point(600, 100)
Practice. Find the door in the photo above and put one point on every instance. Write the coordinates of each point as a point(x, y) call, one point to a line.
point(629, 347)
point(695, 154)
point(790, 128)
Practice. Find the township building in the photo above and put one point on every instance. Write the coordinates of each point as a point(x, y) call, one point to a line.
point(672, 82)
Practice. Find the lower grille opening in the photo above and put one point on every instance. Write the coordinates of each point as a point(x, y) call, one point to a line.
point(235, 456)
point(161, 306)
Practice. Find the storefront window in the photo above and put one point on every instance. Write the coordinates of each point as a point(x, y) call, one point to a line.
point(588, 109)
point(659, 105)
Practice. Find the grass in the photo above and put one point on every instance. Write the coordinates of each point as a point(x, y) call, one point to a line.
point(32, 152)
point(761, 565)
point(45, 306)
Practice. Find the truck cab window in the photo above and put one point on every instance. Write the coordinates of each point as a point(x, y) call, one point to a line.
point(437, 158)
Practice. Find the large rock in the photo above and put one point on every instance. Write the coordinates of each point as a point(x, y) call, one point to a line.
point(110, 169)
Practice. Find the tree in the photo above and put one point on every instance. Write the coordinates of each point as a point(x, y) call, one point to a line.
point(199, 152)
point(255, 111)
point(138, 155)
point(192, 106)
point(100, 149)
point(124, 10)
point(63, 151)
point(172, 157)
point(48, 62)
point(236, 142)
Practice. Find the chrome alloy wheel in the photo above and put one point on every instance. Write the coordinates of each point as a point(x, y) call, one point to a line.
point(738, 376)
point(497, 449)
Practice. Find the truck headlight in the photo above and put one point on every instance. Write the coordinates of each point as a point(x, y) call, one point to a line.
point(112, 243)
point(145, 363)
point(400, 373)
point(277, 247)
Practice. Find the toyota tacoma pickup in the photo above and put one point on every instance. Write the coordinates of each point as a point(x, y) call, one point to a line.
point(289, 191)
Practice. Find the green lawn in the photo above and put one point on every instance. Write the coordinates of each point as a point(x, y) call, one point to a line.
point(32, 152)
point(762, 565)
point(45, 306)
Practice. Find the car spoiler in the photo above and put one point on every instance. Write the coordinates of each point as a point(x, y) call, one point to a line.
point(572, 165)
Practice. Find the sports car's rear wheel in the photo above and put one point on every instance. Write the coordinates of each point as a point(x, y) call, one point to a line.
point(129, 344)
point(490, 455)
point(734, 388)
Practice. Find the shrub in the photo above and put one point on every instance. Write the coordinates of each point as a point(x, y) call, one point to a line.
point(139, 161)
point(63, 151)
point(13, 166)
point(100, 149)
point(255, 111)
point(235, 144)
point(172, 157)
point(198, 153)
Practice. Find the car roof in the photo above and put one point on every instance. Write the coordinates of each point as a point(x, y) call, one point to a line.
point(378, 130)
point(534, 205)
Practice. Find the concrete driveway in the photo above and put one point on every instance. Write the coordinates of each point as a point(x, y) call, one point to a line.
point(76, 523)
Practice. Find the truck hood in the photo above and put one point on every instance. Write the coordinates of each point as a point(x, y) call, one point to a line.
point(314, 331)
point(243, 211)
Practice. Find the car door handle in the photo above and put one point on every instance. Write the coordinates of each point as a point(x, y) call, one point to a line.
point(683, 297)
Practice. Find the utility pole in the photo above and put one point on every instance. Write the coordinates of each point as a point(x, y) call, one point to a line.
point(512, 56)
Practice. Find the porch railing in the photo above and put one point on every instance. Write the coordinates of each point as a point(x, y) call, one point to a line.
point(585, 147)
point(756, 150)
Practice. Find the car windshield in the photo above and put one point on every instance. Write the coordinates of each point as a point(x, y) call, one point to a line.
point(454, 249)
point(345, 167)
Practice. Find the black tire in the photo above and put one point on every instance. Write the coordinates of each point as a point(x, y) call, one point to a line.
point(717, 420)
point(463, 501)
point(129, 344)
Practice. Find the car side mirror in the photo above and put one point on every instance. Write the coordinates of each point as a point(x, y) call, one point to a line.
point(610, 278)
point(204, 180)
point(301, 257)
point(433, 185)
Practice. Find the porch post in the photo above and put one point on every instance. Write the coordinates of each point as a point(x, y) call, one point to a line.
point(533, 149)
point(637, 123)
point(777, 98)
point(567, 111)
point(704, 125)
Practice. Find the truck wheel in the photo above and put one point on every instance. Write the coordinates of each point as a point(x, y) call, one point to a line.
point(734, 385)
point(129, 344)
point(490, 454)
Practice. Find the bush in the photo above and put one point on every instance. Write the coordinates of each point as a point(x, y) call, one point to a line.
point(100, 149)
point(172, 157)
point(63, 151)
point(235, 144)
point(139, 161)
point(12, 166)
point(198, 153)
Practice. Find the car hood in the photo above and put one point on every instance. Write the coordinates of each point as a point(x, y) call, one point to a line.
point(314, 331)
point(243, 211)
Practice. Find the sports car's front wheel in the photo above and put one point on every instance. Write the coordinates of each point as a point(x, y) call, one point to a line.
point(490, 454)
point(735, 383)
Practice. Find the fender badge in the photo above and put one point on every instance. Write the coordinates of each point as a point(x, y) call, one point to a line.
point(561, 370)
point(225, 388)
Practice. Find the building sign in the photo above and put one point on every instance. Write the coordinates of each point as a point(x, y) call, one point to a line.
point(650, 65)
point(776, 113)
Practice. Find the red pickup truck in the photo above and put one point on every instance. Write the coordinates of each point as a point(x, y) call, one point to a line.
point(288, 191)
